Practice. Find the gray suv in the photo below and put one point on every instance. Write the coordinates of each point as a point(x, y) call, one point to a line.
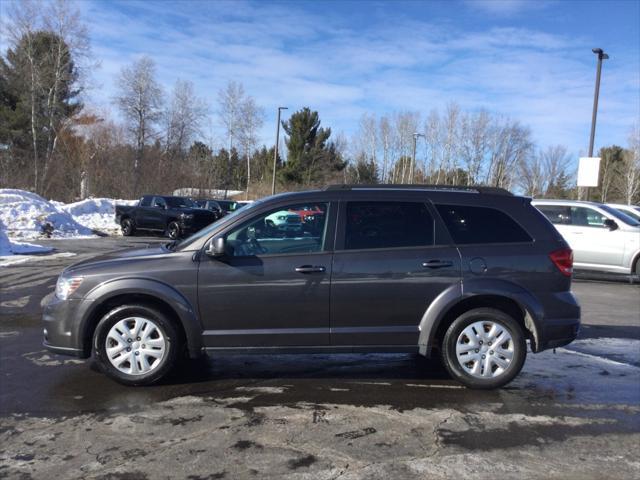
point(468, 274)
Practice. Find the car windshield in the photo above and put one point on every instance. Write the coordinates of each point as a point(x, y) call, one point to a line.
point(633, 212)
point(180, 202)
point(206, 232)
point(623, 217)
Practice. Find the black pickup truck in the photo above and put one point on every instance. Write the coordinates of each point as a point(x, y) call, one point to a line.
point(175, 216)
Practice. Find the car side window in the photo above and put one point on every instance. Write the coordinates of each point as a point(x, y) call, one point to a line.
point(159, 202)
point(387, 225)
point(586, 217)
point(557, 214)
point(288, 229)
point(145, 201)
point(468, 225)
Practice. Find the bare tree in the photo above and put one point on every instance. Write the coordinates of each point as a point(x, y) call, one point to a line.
point(139, 99)
point(450, 138)
point(385, 139)
point(510, 144)
point(630, 174)
point(55, 43)
point(241, 118)
point(531, 174)
point(183, 117)
point(432, 139)
point(556, 166)
point(473, 143)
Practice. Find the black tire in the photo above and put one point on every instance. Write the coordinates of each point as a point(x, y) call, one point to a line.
point(173, 230)
point(458, 372)
point(164, 325)
point(128, 228)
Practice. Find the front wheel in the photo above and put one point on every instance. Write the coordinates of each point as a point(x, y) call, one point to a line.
point(136, 344)
point(173, 230)
point(127, 227)
point(484, 348)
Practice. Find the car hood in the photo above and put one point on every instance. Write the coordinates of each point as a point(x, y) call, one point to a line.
point(119, 256)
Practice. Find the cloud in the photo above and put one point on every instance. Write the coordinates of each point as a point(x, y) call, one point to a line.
point(306, 55)
point(506, 8)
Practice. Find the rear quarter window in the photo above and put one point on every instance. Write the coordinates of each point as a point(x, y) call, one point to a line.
point(469, 225)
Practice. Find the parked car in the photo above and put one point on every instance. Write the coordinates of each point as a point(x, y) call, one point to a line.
point(221, 207)
point(175, 216)
point(465, 274)
point(602, 238)
point(632, 211)
point(284, 221)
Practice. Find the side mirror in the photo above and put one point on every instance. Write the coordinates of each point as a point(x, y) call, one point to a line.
point(216, 248)
point(611, 224)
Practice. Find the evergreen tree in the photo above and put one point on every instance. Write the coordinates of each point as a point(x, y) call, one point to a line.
point(311, 157)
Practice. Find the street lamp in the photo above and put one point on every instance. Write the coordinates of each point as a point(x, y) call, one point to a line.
point(413, 160)
point(596, 94)
point(275, 153)
point(601, 56)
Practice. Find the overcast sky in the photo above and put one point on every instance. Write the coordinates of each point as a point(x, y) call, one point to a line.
point(528, 60)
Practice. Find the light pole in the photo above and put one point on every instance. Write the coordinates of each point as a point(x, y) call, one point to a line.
point(413, 159)
point(275, 153)
point(596, 94)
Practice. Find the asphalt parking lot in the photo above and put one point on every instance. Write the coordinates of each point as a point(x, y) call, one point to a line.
point(572, 414)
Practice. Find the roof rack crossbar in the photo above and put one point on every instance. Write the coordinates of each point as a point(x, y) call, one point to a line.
point(403, 186)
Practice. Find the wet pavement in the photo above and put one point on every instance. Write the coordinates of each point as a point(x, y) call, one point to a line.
point(572, 414)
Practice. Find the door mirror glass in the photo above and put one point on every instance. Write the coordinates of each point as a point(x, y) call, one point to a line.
point(217, 247)
point(611, 224)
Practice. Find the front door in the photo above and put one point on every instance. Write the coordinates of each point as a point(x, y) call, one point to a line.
point(387, 270)
point(272, 287)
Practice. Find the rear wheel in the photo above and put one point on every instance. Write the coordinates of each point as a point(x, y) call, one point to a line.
point(484, 348)
point(127, 226)
point(136, 344)
point(173, 230)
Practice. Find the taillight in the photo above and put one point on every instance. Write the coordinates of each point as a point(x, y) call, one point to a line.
point(563, 259)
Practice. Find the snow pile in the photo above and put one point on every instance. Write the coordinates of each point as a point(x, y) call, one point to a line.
point(96, 213)
point(25, 214)
point(8, 248)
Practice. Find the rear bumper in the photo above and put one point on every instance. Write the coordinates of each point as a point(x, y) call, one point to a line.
point(558, 332)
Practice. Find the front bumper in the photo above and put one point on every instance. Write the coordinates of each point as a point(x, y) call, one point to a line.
point(60, 326)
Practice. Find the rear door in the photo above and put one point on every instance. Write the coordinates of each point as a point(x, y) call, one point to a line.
point(387, 269)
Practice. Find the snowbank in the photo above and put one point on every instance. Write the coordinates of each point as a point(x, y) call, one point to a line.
point(8, 248)
point(24, 215)
point(96, 213)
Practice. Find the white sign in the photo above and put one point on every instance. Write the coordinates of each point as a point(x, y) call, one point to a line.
point(588, 171)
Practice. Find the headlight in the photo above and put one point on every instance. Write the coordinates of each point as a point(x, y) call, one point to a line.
point(66, 286)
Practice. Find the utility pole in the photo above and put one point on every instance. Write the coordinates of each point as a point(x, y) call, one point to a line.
point(413, 158)
point(275, 153)
point(596, 94)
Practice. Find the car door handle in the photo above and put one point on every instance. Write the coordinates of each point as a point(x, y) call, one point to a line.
point(310, 269)
point(437, 264)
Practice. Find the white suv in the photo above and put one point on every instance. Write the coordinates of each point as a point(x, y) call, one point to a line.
point(602, 238)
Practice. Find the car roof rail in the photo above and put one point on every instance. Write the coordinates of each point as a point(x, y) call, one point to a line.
point(416, 186)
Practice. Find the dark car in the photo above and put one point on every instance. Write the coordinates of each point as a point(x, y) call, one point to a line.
point(174, 216)
point(220, 207)
point(466, 274)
